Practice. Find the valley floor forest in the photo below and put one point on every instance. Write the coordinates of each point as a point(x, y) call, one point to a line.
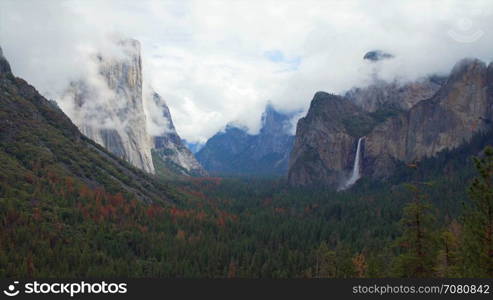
point(433, 219)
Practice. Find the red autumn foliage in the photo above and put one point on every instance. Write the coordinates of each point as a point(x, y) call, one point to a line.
point(154, 211)
point(37, 214)
point(116, 200)
point(180, 235)
point(85, 192)
point(69, 184)
point(224, 217)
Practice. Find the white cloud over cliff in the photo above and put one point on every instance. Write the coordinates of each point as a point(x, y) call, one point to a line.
point(220, 61)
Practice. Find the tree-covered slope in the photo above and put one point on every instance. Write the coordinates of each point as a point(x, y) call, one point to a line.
point(38, 139)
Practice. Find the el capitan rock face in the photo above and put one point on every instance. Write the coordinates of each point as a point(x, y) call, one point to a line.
point(108, 108)
point(326, 142)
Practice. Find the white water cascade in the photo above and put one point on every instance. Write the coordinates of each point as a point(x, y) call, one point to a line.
point(355, 175)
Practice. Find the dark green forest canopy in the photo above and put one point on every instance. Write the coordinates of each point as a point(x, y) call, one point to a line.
point(60, 227)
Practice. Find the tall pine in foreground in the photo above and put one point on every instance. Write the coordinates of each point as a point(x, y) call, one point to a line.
point(417, 243)
point(478, 221)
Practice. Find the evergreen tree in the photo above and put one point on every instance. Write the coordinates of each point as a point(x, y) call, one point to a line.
point(448, 255)
point(326, 264)
point(478, 221)
point(418, 240)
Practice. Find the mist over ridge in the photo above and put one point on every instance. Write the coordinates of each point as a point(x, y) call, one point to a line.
point(213, 67)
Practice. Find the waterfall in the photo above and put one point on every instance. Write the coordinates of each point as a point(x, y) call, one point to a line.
point(355, 175)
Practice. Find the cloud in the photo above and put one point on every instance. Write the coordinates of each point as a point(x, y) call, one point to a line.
point(154, 106)
point(216, 62)
point(96, 100)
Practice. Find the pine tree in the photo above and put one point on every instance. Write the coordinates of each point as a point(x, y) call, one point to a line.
point(417, 242)
point(478, 221)
point(448, 255)
point(325, 266)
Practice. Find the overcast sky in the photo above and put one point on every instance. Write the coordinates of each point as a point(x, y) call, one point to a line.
point(216, 62)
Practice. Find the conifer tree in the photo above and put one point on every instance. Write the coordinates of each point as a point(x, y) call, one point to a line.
point(448, 254)
point(418, 240)
point(478, 221)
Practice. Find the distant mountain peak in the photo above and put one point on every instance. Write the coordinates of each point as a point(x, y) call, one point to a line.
point(275, 122)
point(233, 151)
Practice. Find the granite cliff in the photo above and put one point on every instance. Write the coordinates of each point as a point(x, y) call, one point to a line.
point(460, 109)
point(108, 106)
point(441, 115)
point(170, 151)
